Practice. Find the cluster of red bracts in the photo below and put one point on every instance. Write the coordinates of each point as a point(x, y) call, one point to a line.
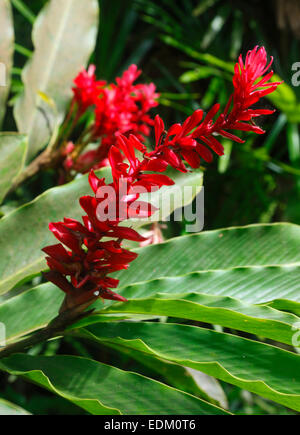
point(120, 108)
point(195, 139)
point(89, 259)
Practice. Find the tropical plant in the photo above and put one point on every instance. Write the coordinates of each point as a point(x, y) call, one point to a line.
point(194, 314)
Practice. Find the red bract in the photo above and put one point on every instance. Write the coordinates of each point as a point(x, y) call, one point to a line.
point(120, 108)
point(87, 89)
point(123, 109)
point(82, 270)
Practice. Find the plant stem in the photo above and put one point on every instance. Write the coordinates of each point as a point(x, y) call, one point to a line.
point(46, 159)
point(55, 328)
point(52, 155)
point(81, 143)
point(67, 128)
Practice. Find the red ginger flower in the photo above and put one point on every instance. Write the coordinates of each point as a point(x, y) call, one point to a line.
point(189, 141)
point(121, 108)
point(89, 259)
point(87, 89)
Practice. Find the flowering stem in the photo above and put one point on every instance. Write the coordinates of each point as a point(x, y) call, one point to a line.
point(52, 155)
point(55, 329)
point(45, 160)
point(84, 140)
point(67, 131)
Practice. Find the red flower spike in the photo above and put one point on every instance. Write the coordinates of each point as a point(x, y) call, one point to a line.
point(121, 108)
point(87, 89)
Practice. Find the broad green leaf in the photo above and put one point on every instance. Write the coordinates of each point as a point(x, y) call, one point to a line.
point(252, 285)
point(228, 312)
point(35, 308)
point(30, 310)
point(6, 52)
point(64, 35)
point(13, 149)
point(276, 285)
point(183, 378)
point(102, 389)
point(253, 245)
point(20, 251)
point(8, 408)
point(260, 368)
point(285, 305)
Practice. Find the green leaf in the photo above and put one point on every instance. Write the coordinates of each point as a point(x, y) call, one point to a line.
point(251, 285)
point(228, 312)
point(31, 310)
point(102, 389)
point(64, 35)
point(224, 160)
point(8, 408)
point(24, 10)
point(203, 6)
point(285, 99)
point(20, 252)
point(183, 378)
point(202, 72)
point(253, 245)
point(111, 45)
point(260, 368)
point(6, 53)
point(35, 308)
point(293, 142)
point(274, 133)
point(210, 386)
point(13, 149)
point(195, 54)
